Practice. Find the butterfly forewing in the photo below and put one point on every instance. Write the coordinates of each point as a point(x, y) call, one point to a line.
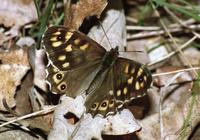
point(68, 49)
point(73, 82)
point(73, 60)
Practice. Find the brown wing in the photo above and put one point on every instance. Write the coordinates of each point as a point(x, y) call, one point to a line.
point(102, 101)
point(73, 82)
point(132, 79)
point(125, 81)
point(73, 60)
point(68, 49)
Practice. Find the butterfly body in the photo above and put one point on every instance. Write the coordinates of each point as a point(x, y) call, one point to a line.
point(78, 64)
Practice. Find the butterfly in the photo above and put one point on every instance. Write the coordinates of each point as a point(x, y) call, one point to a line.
point(77, 64)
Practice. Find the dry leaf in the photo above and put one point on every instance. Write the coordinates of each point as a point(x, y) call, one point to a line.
point(15, 56)
point(16, 13)
point(10, 77)
point(23, 101)
point(13, 68)
point(82, 9)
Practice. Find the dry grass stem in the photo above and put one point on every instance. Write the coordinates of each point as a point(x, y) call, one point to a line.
point(174, 52)
point(176, 71)
point(41, 112)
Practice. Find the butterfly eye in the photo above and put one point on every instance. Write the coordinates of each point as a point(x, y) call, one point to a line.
point(59, 37)
point(94, 106)
point(62, 86)
point(104, 104)
point(111, 104)
point(59, 76)
point(140, 79)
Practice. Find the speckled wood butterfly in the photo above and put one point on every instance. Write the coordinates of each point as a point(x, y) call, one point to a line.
point(78, 64)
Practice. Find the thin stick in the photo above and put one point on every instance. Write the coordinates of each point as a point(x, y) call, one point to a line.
point(183, 56)
point(143, 28)
point(159, 32)
point(171, 27)
point(132, 51)
point(77, 127)
point(174, 41)
point(44, 111)
point(131, 19)
point(174, 52)
point(176, 71)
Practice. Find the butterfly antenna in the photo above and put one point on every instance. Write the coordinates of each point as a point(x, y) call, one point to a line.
point(105, 34)
point(132, 51)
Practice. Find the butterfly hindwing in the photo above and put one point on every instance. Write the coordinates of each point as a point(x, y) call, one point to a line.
point(132, 79)
point(123, 82)
point(102, 101)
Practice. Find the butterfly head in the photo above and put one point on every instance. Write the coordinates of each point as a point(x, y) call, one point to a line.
point(114, 51)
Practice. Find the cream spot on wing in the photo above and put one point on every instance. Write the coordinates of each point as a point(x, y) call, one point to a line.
point(54, 38)
point(126, 68)
point(55, 70)
point(57, 33)
point(132, 70)
point(77, 41)
point(138, 96)
point(56, 44)
point(111, 92)
point(118, 92)
point(145, 78)
point(132, 98)
point(125, 91)
point(84, 47)
point(68, 48)
point(142, 84)
point(140, 72)
point(62, 57)
point(68, 35)
point(137, 85)
point(130, 80)
point(65, 65)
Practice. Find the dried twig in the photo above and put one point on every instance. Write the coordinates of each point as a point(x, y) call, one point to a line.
point(176, 71)
point(174, 52)
point(41, 112)
point(174, 42)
